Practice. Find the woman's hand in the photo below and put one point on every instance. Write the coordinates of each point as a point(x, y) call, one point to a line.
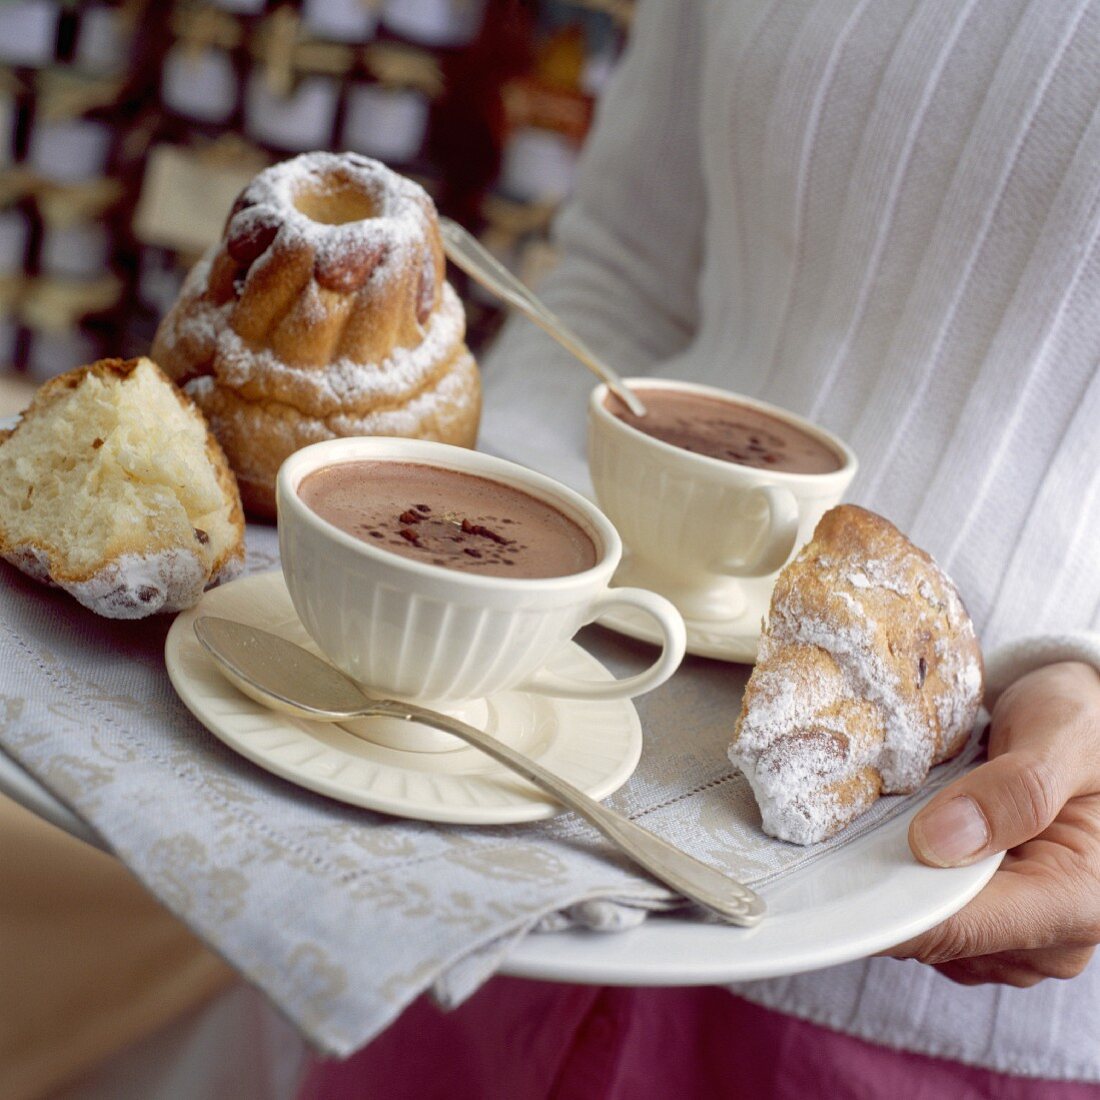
point(1038, 797)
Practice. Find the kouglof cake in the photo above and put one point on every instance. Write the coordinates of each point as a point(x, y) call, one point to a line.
point(869, 673)
point(113, 488)
point(324, 311)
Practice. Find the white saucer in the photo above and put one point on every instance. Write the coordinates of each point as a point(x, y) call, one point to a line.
point(594, 745)
point(733, 639)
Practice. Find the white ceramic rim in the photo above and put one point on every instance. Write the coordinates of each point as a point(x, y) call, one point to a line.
point(442, 792)
point(714, 465)
point(425, 452)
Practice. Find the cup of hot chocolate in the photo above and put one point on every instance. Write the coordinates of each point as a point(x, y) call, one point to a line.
point(710, 489)
point(431, 572)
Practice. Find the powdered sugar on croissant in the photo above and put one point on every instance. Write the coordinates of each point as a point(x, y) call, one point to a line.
point(869, 673)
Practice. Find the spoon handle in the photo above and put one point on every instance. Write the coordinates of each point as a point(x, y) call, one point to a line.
point(711, 889)
point(465, 250)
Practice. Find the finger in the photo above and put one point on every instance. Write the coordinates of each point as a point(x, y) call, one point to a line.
point(1019, 968)
point(1063, 699)
point(997, 806)
point(1020, 909)
point(987, 971)
point(1043, 749)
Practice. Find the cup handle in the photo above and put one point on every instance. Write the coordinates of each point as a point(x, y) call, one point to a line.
point(779, 541)
point(673, 644)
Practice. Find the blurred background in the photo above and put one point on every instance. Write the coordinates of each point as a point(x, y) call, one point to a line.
point(127, 129)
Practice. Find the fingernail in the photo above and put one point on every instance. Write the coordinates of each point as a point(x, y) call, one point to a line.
point(952, 833)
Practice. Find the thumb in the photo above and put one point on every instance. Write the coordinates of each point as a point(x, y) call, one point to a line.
point(1042, 754)
point(991, 809)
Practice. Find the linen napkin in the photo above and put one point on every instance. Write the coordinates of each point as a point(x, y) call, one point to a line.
point(340, 915)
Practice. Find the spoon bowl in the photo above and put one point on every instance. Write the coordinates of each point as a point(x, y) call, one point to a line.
point(284, 676)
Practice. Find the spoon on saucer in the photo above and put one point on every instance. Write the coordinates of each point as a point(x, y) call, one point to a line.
point(465, 250)
point(284, 676)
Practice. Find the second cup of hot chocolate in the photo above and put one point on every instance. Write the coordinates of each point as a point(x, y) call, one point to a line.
point(709, 489)
point(444, 575)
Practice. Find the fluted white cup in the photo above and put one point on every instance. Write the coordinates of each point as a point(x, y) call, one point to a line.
point(419, 631)
point(696, 527)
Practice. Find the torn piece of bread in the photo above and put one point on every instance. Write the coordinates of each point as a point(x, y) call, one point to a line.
point(113, 488)
point(869, 673)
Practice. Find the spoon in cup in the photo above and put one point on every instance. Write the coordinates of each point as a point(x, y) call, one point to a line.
point(285, 677)
point(468, 253)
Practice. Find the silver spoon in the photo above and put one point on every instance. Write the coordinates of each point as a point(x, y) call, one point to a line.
point(465, 250)
point(286, 677)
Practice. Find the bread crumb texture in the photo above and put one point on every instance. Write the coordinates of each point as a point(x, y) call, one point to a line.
point(113, 488)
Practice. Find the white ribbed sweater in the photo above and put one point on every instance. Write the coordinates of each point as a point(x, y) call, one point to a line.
point(883, 216)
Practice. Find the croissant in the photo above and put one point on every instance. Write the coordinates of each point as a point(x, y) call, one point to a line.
point(868, 674)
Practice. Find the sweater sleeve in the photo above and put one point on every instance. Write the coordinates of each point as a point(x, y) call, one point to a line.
point(1014, 659)
point(630, 241)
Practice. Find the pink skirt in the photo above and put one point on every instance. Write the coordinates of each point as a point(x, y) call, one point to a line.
point(526, 1040)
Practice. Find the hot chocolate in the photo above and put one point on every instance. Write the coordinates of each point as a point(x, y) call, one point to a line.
point(447, 518)
point(727, 430)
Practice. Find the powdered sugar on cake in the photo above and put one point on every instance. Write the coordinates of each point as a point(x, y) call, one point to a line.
point(397, 227)
point(342, 387)
point(323, 311)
